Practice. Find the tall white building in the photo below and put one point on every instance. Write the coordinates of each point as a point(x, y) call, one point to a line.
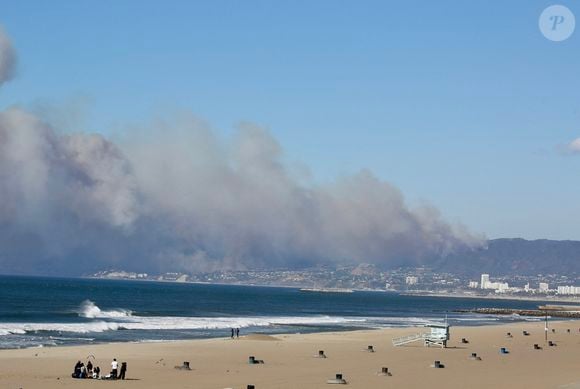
point(543, 287)
point(411, 280)
point(473, 284)
point(484, 281)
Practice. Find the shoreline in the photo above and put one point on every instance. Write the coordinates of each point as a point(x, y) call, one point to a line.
point(333, 331)
point(290, 360)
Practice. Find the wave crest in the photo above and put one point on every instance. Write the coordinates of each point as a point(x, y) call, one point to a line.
point(90, 310)
point(174, 323)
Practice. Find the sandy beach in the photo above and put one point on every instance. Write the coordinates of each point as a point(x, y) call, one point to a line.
point(290, 361)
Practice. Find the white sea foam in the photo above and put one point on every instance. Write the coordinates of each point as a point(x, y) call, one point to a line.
point(122, 319)
point(174, 323)
point(89, 310)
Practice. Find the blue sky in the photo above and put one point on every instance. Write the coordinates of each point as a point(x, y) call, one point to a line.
point(461, 104)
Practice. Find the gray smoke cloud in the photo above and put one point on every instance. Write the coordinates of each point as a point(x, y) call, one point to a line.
point(174, 196)
point(177, 197)
point(7, 58)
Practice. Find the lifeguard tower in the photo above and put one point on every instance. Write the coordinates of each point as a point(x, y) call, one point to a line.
point(437, 336)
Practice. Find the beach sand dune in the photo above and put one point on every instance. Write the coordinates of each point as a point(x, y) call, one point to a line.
point(290, 363)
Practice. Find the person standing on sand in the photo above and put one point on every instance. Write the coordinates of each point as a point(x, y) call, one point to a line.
point(123, 370)
point(114, 367)
point(232, 333)
point(237, 333)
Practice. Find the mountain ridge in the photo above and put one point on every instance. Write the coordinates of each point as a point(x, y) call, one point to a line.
point(513, 256)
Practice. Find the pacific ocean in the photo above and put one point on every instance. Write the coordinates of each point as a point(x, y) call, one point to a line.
point(40, 312)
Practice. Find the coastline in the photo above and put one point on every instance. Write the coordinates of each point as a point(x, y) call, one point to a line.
point(388, 291)
point(290, 360)
point(545, 299)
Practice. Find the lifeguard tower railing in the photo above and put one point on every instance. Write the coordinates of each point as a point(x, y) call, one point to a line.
point(437, 336)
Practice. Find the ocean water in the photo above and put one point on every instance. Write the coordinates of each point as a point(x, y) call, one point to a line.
point(40, 312)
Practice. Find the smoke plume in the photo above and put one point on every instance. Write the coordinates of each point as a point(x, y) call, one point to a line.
point(7, 58)
point(175, 196)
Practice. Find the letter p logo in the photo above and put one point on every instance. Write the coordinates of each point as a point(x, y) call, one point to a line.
point(556, 19)
point(557, 23)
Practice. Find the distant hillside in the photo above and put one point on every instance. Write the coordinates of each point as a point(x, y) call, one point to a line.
point(517, 256)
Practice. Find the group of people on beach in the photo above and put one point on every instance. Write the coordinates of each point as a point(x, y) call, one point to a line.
point(82, 371)
point(89, 371)
point(235, 332)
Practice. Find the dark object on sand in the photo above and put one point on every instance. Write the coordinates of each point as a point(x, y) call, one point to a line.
point(526, 333)
point(77, 370)
point(337, 380)
point(537, 347)
point(321, 354)
point(475, 357)
point(185, 366)
point(438, 365)
point(123, 370)
point(503, 350)
point(553, 330)
point(509, 335)
point(550, 343)
point(253, 361)
point(464, 341)
point(250, 387)
point(568, 330)
point(370, 349)
point(385, 371)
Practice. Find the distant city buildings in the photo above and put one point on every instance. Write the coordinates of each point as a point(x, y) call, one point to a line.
point(500, 287)
point(124, 275)
point(369, 277)
point(503, 287)
point(567, 290)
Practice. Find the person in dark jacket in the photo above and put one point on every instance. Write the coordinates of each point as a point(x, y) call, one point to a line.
point(77, 370)
point(123, 370)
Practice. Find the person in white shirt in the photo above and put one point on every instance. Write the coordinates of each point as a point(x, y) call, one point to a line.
point(114, 367)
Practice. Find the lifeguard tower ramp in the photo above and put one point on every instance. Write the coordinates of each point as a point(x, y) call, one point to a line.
point(437, 336)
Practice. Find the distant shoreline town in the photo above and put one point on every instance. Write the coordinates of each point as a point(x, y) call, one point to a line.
point(412, 281)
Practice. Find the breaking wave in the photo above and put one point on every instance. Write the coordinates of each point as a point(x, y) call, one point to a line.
point(174, 323)
point(89, 310)
point(122, 319)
